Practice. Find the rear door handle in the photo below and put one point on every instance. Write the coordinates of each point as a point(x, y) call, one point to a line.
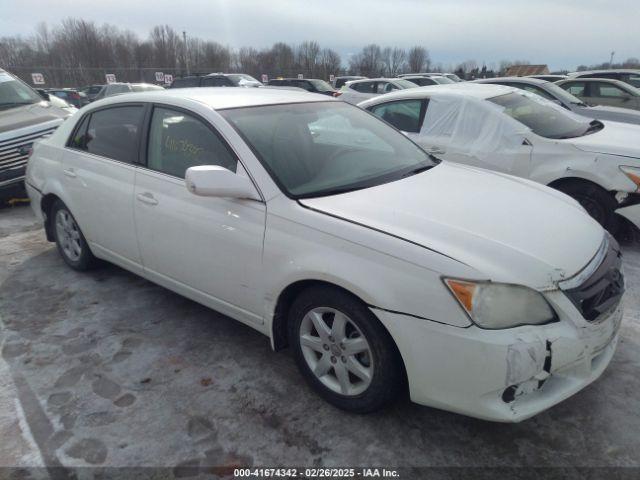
point(148, 198)
point(70, 173)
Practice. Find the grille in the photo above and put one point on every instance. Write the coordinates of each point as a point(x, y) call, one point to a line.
point(602, 291)
point(12, 161)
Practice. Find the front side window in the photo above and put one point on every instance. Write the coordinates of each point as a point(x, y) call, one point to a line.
point(575, 88)
point(405, 115)
point(542, 117)
point(114, 133)
point(178, 141)
point(325, 148)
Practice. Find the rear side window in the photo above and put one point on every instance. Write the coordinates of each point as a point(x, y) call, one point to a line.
point(216, 82)
point(178, 141)
point(78, 138)
point(363, 87)
point(601, 89)
point(406, 115)
point(113, 133)
point(186, 82)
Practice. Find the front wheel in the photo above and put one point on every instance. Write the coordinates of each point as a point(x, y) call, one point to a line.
point(596, 201)
point(343, 351)
point(69, 239)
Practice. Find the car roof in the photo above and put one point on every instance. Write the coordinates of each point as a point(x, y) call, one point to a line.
point(221, 98)
point(480, 91)
point(529, 80)
point(378, 79)
point(614, 70)
point(594, 79)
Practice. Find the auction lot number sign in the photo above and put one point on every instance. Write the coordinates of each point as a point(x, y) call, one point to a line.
point(110, 78)
point(37, 78)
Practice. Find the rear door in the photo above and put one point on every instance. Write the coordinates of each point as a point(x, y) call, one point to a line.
point(99, 169)
point(207, 248)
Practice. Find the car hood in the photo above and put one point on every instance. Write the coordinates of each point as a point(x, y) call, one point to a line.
point(29, 115)
point(614, 139)
point(508, 229)
point(614, 114)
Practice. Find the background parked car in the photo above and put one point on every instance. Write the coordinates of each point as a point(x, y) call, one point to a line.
point(522, 134)
point(24, 117)
point(313, 85)
point(423, 81)
point(120, 88)
point(216, 80)
point(338, 82)
point(556, 94)
point(548, 78)
point(630, 76)
point(451, 76)
point(359, 90)
point(91, 91)
point(70, 95)
point(60, 103)
point(602, 91)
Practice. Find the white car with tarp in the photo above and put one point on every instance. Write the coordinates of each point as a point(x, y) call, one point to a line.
point(519, 133)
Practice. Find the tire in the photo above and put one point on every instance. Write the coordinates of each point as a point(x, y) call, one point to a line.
point(69, 239)
point(595, 200)
point(362, 350)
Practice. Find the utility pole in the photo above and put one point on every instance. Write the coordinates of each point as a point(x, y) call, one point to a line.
point(611, 59)
point(186, 51)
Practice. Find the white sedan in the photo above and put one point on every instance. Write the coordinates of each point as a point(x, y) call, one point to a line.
point(327, 230)
point(516, 132)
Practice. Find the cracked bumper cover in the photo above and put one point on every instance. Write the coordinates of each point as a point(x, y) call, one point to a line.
point(503, 375)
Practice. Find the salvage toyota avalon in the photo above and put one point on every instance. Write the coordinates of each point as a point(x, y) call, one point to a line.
point(327, 230)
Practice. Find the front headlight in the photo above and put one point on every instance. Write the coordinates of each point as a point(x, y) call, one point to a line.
point(500, 305)
point(632, 173)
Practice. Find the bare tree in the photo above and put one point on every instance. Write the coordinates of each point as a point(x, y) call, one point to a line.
point(418, 59)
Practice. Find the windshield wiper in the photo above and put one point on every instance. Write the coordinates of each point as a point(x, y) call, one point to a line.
point(417, 170)
point(14, 104)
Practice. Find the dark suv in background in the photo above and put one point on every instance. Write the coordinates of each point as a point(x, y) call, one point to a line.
point(216, 80)
point(313, 85)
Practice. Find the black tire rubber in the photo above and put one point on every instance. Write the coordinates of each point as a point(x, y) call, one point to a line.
point(87, 260)
point(388, 378)
point(598, 202)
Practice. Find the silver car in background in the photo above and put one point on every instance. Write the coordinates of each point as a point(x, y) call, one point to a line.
point(360, 90)
point(556, 94)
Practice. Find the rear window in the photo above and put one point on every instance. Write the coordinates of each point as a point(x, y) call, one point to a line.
point(113, 133)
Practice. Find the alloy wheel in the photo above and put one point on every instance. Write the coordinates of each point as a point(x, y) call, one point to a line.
point(336, 351)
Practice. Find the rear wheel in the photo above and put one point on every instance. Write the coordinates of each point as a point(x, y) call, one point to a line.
point(343, 351)
point(69, 239)
point(595, 200)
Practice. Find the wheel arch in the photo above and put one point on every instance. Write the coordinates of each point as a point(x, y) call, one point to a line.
point(557, 183)
point(46, 204)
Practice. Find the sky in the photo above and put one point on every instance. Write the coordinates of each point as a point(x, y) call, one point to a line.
point(560, 33)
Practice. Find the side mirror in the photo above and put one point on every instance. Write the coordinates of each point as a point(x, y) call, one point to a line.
point(215, 181)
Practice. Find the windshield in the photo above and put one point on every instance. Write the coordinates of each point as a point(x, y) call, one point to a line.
point(326, 148)
point(562, 95)
point(321, 85)
point(542, 116)
point(237, 78)
point(145, 88)
point(14, 93)
point(442, 80)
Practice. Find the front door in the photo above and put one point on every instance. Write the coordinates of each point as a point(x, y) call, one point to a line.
point(207, 248)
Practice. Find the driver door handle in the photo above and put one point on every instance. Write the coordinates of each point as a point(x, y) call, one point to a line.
point(147, 197)
point(70, 173)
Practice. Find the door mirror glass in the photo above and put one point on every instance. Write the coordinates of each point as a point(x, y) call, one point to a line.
point(216, 181)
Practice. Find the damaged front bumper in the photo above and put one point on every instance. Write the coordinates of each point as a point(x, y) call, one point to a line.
point(504, 375)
